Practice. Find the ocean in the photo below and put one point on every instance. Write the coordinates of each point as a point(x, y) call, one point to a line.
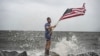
point(62, 42)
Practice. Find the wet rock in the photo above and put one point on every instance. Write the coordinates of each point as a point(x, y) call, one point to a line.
point(6, 53)
point(70, 55)
point(50, 54)
point(54, 54)
point(93, 54)
point(1, 54)
point(12, 53)
point(83, 54)
point(88, 54)
point(23, 54)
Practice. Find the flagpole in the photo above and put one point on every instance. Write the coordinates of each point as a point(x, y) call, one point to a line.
point(54, 28)
point(57, 23)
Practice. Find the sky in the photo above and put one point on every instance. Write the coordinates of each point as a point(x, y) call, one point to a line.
point(30, 15)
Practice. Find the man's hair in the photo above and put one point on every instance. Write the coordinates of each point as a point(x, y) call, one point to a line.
point(48, 18)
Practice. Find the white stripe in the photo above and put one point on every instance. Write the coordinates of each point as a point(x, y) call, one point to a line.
point(78, 9)
point(74, 14)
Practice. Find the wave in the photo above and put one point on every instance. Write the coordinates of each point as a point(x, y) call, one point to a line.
point(64, 47)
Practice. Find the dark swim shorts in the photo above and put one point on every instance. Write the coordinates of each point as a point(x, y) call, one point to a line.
point(47, 32)
point(48, 37)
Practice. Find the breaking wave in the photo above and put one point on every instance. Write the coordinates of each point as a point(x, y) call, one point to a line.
point(63, 48)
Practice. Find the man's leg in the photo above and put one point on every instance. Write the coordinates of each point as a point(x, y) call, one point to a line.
point(48, 43)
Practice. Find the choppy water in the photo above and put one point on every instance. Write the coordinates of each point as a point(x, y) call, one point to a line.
point(63, 43)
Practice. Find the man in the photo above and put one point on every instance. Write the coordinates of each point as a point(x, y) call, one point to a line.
point(48, 33)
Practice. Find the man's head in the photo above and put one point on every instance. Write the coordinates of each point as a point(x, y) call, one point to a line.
point(48, 19)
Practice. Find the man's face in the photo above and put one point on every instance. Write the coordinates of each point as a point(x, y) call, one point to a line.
point(49, 20)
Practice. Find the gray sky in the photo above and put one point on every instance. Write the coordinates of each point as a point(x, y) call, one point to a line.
point(32, 14)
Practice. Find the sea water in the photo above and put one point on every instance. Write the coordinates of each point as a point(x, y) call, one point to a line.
point(62, 43)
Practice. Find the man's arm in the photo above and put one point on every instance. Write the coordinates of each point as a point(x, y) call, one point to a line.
point(50, 27)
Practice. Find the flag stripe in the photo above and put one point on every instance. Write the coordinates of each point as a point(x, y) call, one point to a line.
point(73, 12)
point(72, 15)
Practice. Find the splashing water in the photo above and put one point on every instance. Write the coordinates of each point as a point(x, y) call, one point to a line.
point(63, 48)
point(28, 41)
point(35, 53)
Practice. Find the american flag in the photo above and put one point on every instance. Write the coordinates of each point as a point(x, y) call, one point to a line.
point(73, 12)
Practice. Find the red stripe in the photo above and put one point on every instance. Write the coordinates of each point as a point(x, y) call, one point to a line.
point(72, 15)
point(75, 12)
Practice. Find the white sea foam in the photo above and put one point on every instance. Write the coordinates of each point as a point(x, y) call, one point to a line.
point(35, 53)
point(63, 48)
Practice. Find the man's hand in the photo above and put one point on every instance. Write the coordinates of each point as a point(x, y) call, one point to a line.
point(54, 26)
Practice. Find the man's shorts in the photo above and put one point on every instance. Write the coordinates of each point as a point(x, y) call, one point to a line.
point(48, 37)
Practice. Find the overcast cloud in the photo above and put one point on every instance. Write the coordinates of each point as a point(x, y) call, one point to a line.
point(32, 14)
